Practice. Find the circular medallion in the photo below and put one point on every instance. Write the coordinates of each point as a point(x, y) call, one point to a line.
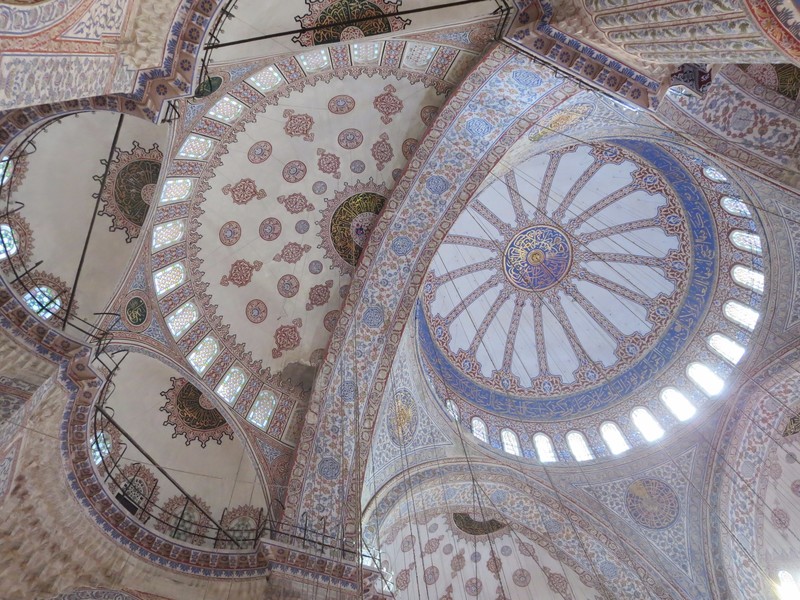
point(256, 311)
point(315, 267)
point(352, 222)
point(269, 229)
point(288, 286)
point(301, 226)
point(350, 139)
point(537, 258)
point(230, 233)
point(341, 105)
point(294, 171)
point(357, 166)
point(259, 152)
point(136, 313)
point(652, 503)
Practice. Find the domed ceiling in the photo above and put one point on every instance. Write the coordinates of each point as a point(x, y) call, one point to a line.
point(577, 280)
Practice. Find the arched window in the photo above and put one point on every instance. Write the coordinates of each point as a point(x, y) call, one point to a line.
point(44, 301)
point(726, 347)
point(613, 438)
point(735, 207)
point(544, 448)
point(744, 240)
point(266, 80)
point(646, 423)
point(452, 410)
point(101, 447)
point(787, 588)
point(9, 238)
point(176, 189)
point(204, 354)
point(678, 404)
point(6, 169)
point(226, 110)
point(709, 382)
point(510, 442)
point(741, 314)
point(196, 147)
point(714, 175)
point(182, 319)
point(167, 234)
point(479, 429)
point(231, 385)
point(262, 409)
point(168, 278)
point(366, 53)
point(578, 446)
point(748, 278)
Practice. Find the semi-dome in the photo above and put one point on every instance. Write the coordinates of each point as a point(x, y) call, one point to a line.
point(580, 285)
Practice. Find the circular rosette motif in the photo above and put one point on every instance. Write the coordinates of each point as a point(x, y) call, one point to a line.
point(402, 418)
point(347, 222)
point(193, 415)
point(652, 503)
point(570, 282)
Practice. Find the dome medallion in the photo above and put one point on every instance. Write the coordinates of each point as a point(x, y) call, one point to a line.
point(537, 258)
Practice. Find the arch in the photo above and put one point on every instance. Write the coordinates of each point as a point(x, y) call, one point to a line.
point(725, 347)
point(646, 423)
point(742, 315)
point(9, 246)
point(182, 319)
point(678, 404)
point(479, 429)
point(544, 448)
point(43, 301)
point(204, 354)
point(510, 442)
point(747, 241)
point(705, 379)
point(578, 446)
point(452, 410)
point(612, 436)
point(748, 278)
point(735, 207)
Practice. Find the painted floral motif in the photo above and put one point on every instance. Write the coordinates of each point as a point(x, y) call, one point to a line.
point(259, 152)
point(242, 524)
point(330, 320)
point(294, 171)
point(291, 253)
point(350, 139)
point(288, 286)
point(244, 191)
point(295, 203)
point(129, 188)
point(269, 229)
point(388, 104)
point(382, 151)
point(652, 503)
point(192, 415)
point(241, 273)
point(298, 125)
point(328, 163)
point(409, 147)
point(287, 337)
point(256, 311)
point(428, 115)
point(319, 295)
point(230, 233)
point(183, 521)
point(329, 19)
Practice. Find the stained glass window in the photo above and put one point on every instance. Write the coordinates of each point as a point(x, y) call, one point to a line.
point(714, 175)
point(510, 442)
point(364, 53)
point(726, 347)
point(709, 382)
point(479, 429)
point(232, 384)
point(44, 301)
point(169, 278)
point(9, 245)
point(262, 409)
point(748, 278)
point(646, 423)
point(418, 56)
point(167, 234)
point(204, 354)
point(544, 448)
point(740, 314)
point(196, 147)
point(678, 404)
point(101, 447)
point(176, 189)
point(226, 109)
point(613, 438)
point(744, 240)
point(787, 588)
point(183, 318)
point(735, 207)
point(315, 61)
point(578, 446)
point(6, 170)
point(267, 79)
point(452, 410)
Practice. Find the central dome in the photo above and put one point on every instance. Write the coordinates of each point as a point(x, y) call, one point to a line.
point(571, 282)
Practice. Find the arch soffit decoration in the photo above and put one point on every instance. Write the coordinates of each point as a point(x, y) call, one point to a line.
point(464, 146)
